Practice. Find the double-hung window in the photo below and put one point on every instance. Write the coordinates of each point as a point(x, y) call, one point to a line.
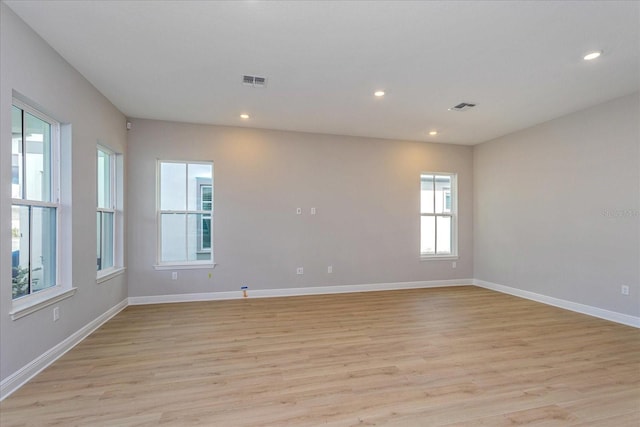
point(438, 220)
point(106, 209)
point(35, 200)
point(109, 214)
point(185, 213)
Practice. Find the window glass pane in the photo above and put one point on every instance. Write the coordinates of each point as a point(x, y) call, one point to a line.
point(172, 186)
point(427, 235)
point(20, 250)
point(205, 232)
point(99, 240)
point(104, 179)
point(173, 243)
point(199, 175)
point(443, 188)
point(426, 194)
point(106, 250)
point(196, 238)
point(443, 245)
point(43, 248)
point(193, 237)
point(16, 152)
point(37, 158)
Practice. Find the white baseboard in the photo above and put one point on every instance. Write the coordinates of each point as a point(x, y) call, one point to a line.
point(601, 313)
point(287, 292)
point(31, 369)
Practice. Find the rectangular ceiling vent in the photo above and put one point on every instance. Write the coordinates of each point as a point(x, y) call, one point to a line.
point(254, 81)
point(463, 106)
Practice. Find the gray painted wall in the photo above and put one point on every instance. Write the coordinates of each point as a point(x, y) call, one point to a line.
point(29, 66)
point(557, 207)
point(366, 192)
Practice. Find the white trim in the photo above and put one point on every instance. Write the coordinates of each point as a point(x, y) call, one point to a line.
point(190, 266)
point(107, 210)
point(109, 273)
point(289, 292)
point(37, 301)
point(26, 202)
point(186, 212)
point(601, 313)
point(438, 257)
point(31, 369)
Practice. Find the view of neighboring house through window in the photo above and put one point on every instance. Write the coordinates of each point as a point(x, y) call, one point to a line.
point(205, 197)
point(35, 200)
point(185, 213)
point(438, 200)
point(106, 212)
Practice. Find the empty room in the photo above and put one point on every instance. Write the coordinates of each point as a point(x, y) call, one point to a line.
point(304, 213)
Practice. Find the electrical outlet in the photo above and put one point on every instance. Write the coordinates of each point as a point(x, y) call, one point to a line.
point(330, 269)
point(56, 313)
point(174, 275)
point(299, 211)
point(624, 290)
point(454, 264)
point(313, 211)
point(300, 270)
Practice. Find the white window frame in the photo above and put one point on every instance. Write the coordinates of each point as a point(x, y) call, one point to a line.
point(453, 214)
point(161, 265)
point(115, 197)
point(35, 301)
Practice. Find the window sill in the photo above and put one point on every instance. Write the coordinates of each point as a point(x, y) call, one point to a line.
point(438, 257)
point(38, 302)
point(184, 266)
point(108, 274)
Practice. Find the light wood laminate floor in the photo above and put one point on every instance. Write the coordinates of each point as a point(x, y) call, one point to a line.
point(429, 357)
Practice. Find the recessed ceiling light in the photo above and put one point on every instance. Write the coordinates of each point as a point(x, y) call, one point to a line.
point(244, 116)
point(592, 55)
point(379, 93)
point(433, 133)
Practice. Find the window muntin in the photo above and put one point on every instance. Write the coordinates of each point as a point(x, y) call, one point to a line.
point(35, 200)
point(437, 215)
point(185, 213)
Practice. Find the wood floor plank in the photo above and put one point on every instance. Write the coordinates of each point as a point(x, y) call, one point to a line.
point(425, 357)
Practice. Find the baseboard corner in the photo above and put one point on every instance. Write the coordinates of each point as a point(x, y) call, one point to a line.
point(589, 310)
point(16, 380)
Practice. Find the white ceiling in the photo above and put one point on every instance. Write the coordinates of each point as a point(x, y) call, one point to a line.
point(520, 61)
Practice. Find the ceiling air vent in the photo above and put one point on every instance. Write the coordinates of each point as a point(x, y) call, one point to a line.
point(254, 81)
point(463, 106)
